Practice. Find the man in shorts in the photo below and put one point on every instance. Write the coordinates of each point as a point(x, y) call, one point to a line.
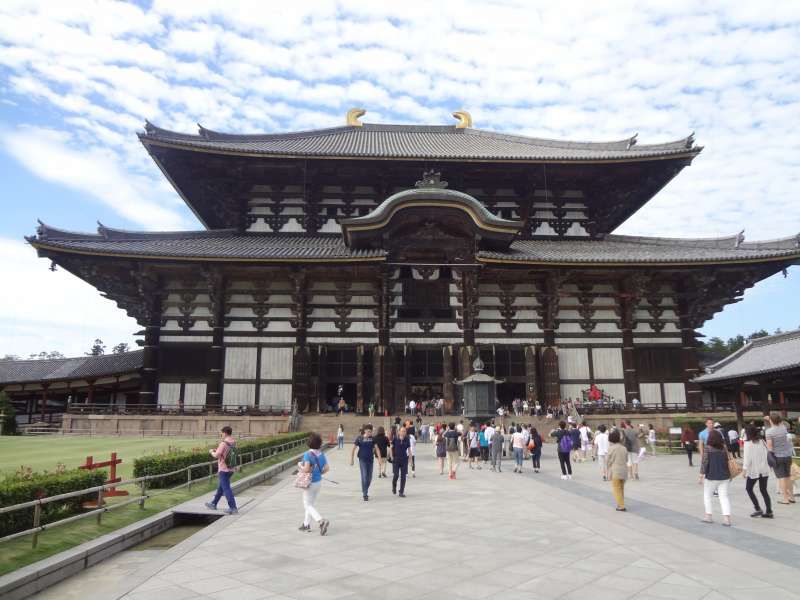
point(633, 446)
point(473, 442)
point(601, 446)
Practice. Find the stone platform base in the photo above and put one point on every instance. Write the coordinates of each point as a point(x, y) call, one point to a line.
point(176, 425)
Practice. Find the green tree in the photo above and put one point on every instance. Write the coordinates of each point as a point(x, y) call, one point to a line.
point(735, 343)
point(758, 334)
point(97, 349)
point(8, 423)
point(120, 348)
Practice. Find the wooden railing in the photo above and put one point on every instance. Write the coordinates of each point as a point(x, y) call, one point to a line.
point(141, 482)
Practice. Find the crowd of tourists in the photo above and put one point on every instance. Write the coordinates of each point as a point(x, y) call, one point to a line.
point(618, 450)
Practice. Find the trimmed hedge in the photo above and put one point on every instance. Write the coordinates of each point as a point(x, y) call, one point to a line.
point(173, 460)
point(699, 423)
point(15, 490)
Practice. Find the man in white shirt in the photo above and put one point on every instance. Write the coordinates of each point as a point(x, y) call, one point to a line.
point(601, 446)
point(412, 407)
point(489, 432)
point(585, 431)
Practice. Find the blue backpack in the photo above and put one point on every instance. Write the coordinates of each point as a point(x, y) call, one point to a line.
point(565, 443)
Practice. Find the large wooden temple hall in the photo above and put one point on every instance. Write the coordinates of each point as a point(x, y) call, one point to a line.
point(385, 258)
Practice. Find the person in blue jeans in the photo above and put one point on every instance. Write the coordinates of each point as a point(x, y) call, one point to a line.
point(225, 455)
point(367, 451)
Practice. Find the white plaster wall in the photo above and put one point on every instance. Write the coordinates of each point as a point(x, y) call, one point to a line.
point(194, 394)
point(240, 363)
point(276, 363)
point(607, 363)
point(278, 395)
point(239, 394)
point(573, 363)
point(169, 394)
point(651, 394)
point(675, 393)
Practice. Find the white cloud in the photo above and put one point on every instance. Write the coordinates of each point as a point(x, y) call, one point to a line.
point(44, 310)
point(94, 171)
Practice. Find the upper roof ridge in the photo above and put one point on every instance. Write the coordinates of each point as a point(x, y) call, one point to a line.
point(628, 144)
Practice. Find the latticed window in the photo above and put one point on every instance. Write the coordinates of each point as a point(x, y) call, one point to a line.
point(341, 362)
point(429, 299)
point(427, 363)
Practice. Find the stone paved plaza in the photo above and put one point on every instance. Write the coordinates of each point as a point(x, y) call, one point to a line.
point(485, 535)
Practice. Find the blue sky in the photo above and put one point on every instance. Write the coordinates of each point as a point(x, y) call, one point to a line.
point(78, 79)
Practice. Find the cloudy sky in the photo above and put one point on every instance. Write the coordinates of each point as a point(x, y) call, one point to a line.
point(78, 79)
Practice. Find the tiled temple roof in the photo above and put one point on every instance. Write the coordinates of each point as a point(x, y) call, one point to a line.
point(638, 249)
point(760, 356)
point(416, 142)
point(229, 245)
point(215, 244)
point(60, 369)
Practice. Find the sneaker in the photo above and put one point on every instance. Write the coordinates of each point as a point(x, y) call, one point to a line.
point(536, 470)
point(756, 513)
point(394, 491)
point(768, 515)
point(304, 528)
point(604, 478)
point(231, 511)
point(636, 477)
point(366, 498)
point(323, 526)
point(622, 509)
point(569, 477)
point(210, 506)
point(401, 495)
point(563, 477)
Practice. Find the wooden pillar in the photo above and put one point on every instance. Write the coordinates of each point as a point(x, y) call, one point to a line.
point(216, 293)
point(741, 399)
point(148, 392)
point(300, 377)
point(447, 377)
point(551, 382)
point(762, 396)
point(689, 363)
point(383, 354)
point(360, 379)
point(468, 284)
point(782, 402)
point(530, 375)
point(322, 391)
point(300, 323)
point(43, 404)
point(400, 406)
point(630, 373)
point(90, 391)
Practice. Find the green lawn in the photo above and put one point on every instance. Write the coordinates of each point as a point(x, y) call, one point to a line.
point(45, 452)
point(19, 553)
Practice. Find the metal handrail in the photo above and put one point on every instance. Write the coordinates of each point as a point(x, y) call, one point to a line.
point(141, 481)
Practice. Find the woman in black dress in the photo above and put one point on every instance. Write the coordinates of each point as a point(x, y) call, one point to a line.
point(382, 444)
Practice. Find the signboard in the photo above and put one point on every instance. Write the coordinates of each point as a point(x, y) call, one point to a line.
point(675, 430)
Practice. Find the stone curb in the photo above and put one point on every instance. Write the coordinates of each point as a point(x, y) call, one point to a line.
point(40, 575)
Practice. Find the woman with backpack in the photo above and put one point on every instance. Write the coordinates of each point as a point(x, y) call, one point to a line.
point(564, 444)
point(535, 447)
point(314, 462)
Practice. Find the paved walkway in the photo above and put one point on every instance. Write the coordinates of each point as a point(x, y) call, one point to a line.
point(483, 536)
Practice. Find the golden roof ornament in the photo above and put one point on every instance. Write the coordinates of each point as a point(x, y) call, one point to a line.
point(464, 119)
point(353, 116)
